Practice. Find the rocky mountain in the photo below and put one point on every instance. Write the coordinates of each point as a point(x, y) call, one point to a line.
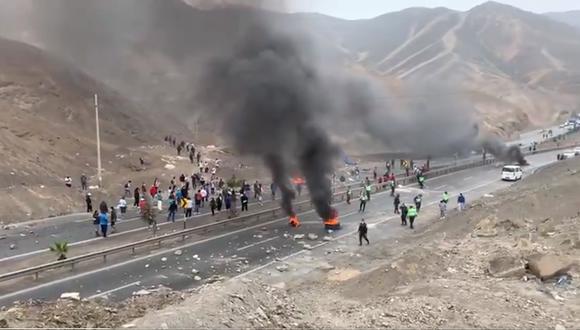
point(569, 17)
point(519, 69)
point(47, 131)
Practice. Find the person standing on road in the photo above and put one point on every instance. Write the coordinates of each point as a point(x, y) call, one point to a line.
point(412, 213)
point(396, 203)
point(122, 205)
point(83, 182)
point(113, 220)
point(219, 202)
point(197, 197)
point(273, 190)
point(137, 197)
point(127, 189)
point(362, 232)
point(363, 201)
point(442, 209)
point(212, 206)
point(348, 195)
point(89, 202)
point(172, 210)
point(189, 207)
point(96, 223)
point(404, 211)
point(418, 200)
point(368, 189)
point(461, 202)
point(392, 186)
point(104, 222)
point(244, 201)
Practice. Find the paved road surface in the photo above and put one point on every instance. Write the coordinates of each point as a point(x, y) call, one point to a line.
point(78, 229)
point(238, 250)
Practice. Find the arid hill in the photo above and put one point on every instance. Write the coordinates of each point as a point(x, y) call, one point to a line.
point(518, 68)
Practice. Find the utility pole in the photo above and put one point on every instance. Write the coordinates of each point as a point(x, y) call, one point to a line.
point(99, 175)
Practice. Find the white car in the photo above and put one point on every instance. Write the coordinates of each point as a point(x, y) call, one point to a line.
point(569, 154)
point(577, 151)
point(511, 173)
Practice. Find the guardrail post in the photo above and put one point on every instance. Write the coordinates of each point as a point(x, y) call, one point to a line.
point(72, 266)
point(36, 276)
point(133, 250)
point(184, 224)
point(104, 258)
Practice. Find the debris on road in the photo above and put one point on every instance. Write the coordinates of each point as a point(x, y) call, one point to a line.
point(178, 252)
point(312, 236)
point(12, 246)
point(164, 259)
point(142, 292)
point(282, 268)
point(299, 236)
point(71, 296)
point(197, 278)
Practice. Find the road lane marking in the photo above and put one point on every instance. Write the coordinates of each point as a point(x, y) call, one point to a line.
point(257, 243)
point(114, 290)
point(343, 235)
point(439, 187)
point(467, 178)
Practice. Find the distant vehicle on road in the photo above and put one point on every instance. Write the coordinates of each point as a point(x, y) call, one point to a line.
point(577, 151)
point(511, 173)
point(569, 154)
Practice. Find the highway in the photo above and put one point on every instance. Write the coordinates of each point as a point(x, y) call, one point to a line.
point(78, 229)
point(237, 250)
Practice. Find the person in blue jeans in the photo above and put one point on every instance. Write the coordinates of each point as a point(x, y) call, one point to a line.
point(104, 222)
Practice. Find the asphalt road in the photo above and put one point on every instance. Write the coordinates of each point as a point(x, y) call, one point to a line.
point(240, 250)
point(78, 229)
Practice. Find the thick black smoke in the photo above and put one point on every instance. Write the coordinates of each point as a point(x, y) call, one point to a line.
point(271, 102)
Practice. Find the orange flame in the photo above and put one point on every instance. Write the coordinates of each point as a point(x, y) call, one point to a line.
point(293, 221)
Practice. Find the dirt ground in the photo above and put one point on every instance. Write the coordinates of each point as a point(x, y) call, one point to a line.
point(510, 261)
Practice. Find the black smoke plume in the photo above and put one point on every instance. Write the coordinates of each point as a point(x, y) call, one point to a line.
point(271, 102)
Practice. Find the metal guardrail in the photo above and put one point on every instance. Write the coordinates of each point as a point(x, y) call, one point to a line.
point(269, 214)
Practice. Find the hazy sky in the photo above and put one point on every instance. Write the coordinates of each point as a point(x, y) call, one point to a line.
point(354, 9)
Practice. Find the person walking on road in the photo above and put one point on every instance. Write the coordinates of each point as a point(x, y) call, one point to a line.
point(404, 211)
point(421, 180)
point(396, 203)
point(445, 198)
point(368, 189)
point(442, 209)
point(104, 222)
point(113, 220)
point(412, 213)
point(363, 201)
point(197, 197)
point(244, 201)
point(392, 186)
point(89, 202)
point(418, 200)
point(461, 202)
point(127, 189)
point(362, 232)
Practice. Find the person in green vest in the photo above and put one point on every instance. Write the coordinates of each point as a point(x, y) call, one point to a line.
point(421, 180)
point(445, 197)
point(412, 214)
